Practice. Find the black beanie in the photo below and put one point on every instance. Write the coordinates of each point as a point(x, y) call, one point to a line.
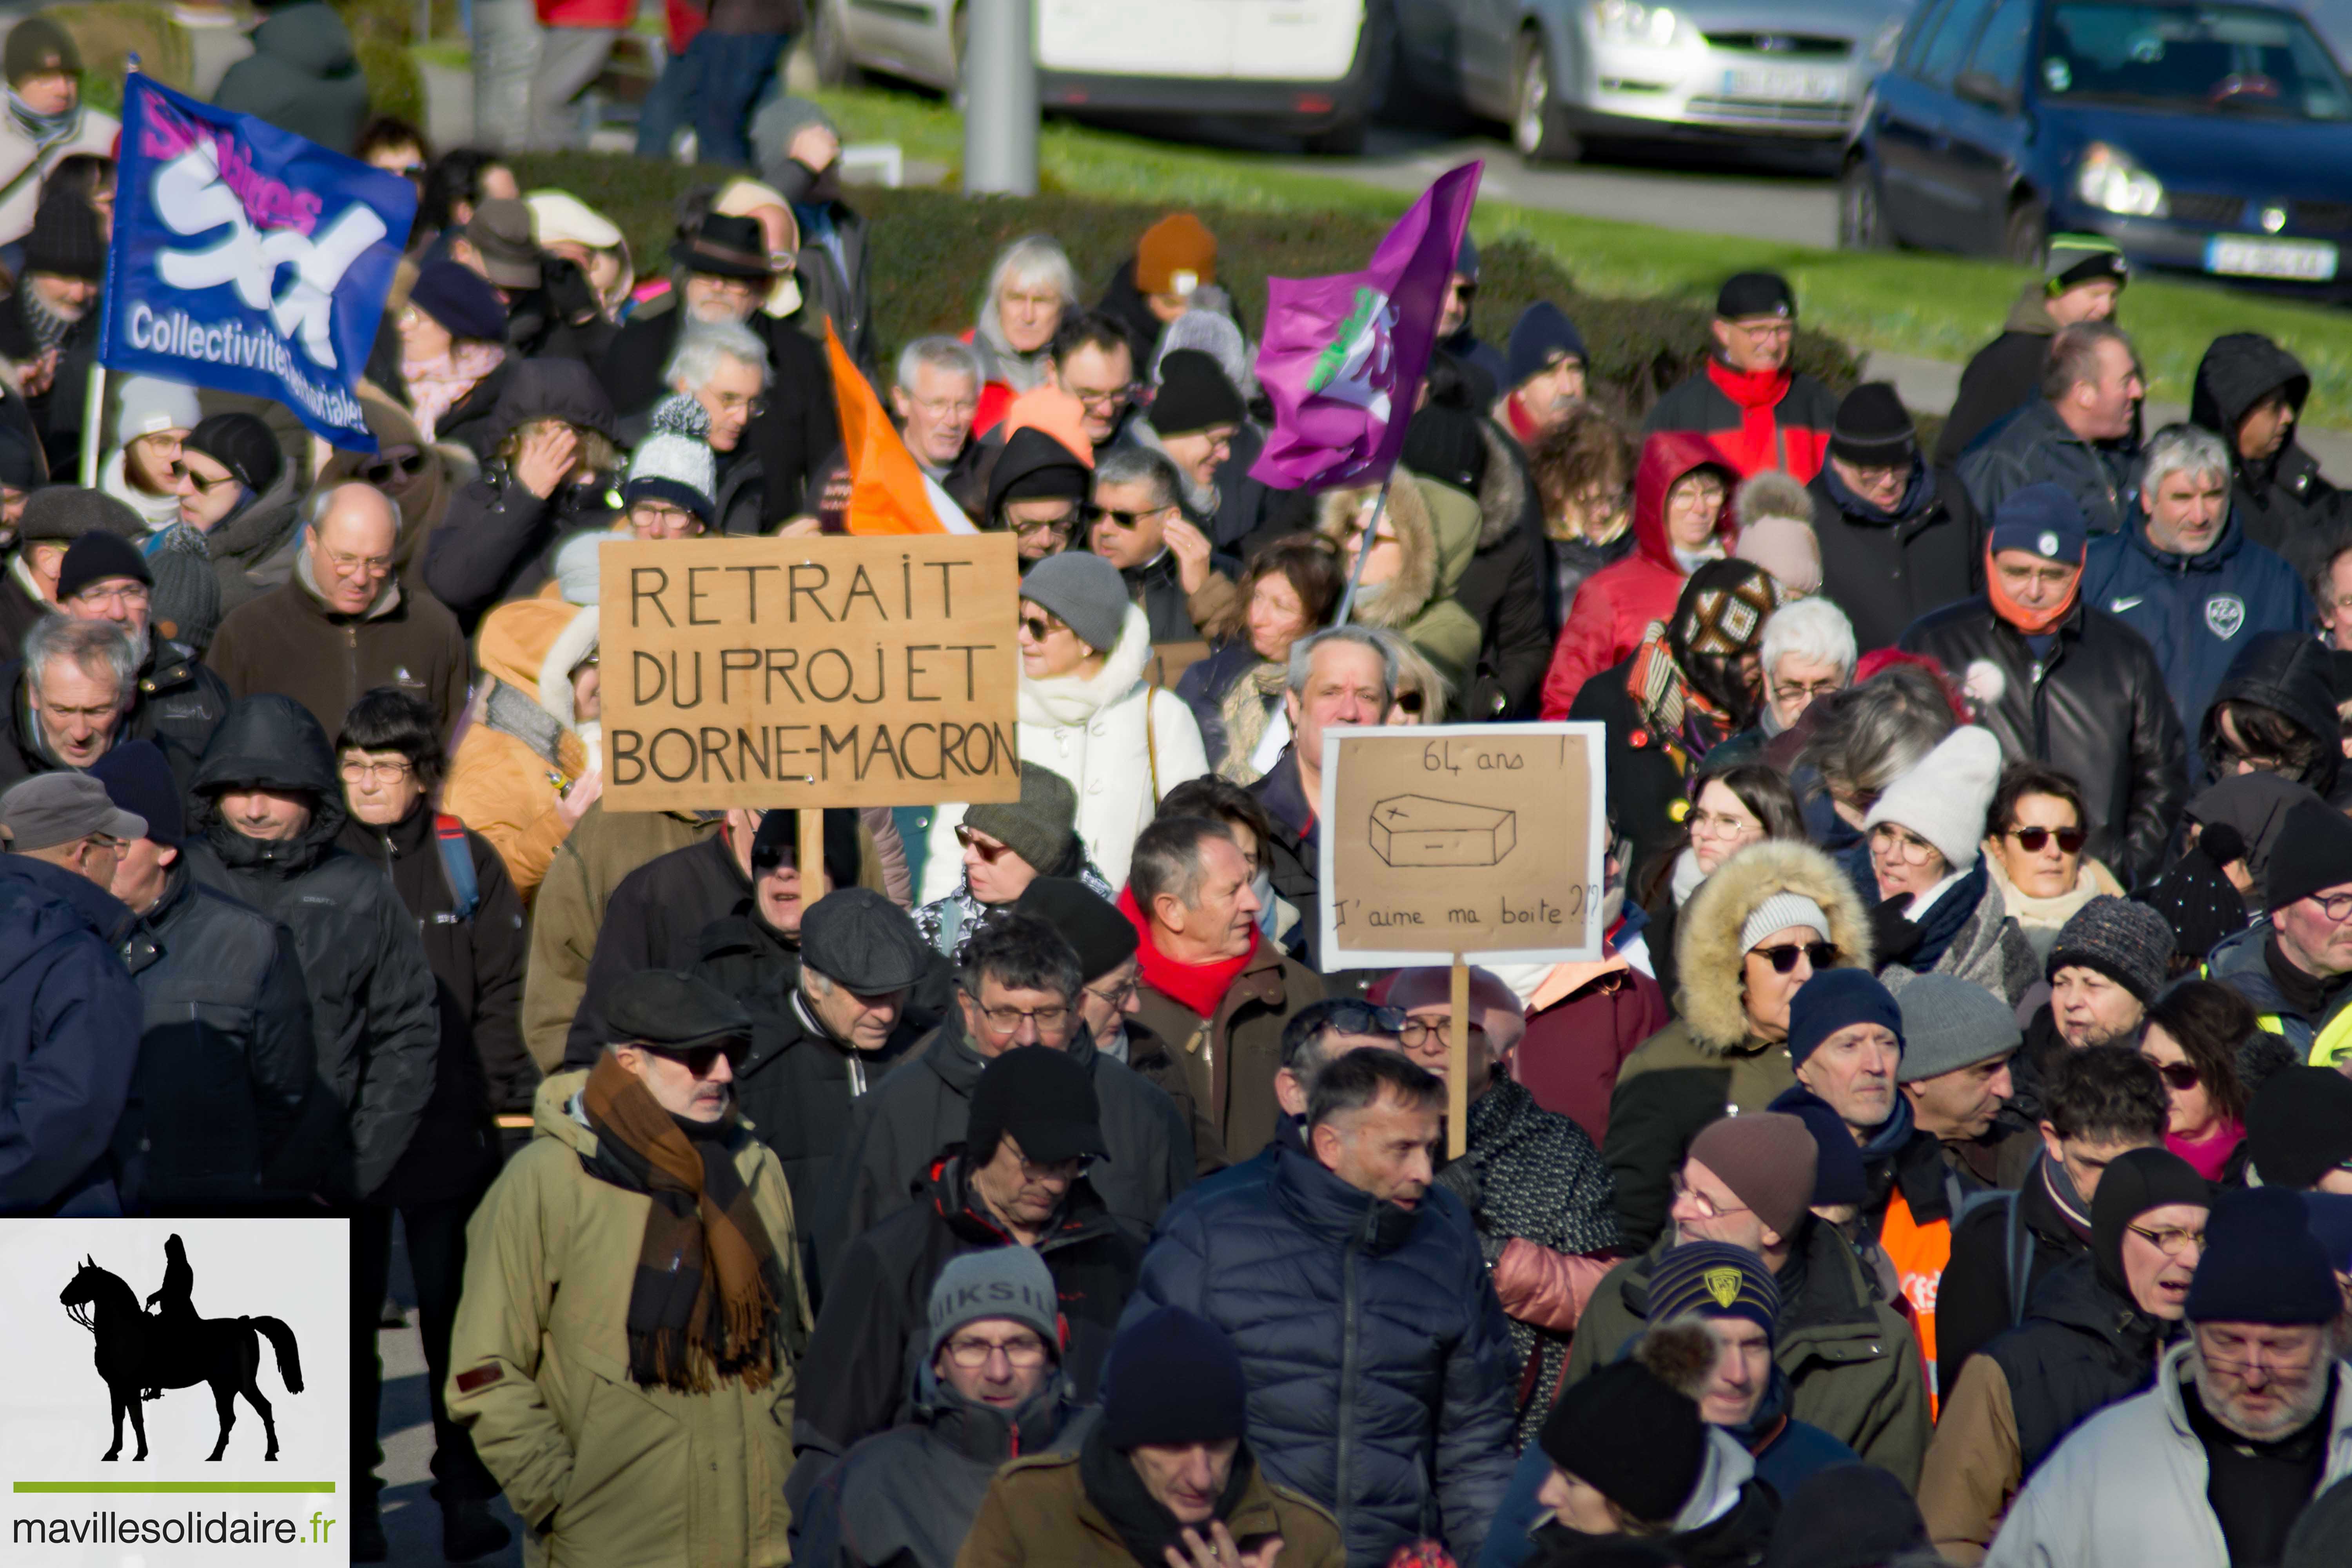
point(65, 241)
point(2321, 836)
point(138, 780)
point(1746, 294)
point(1194, 393)
point(1626, 1431)
point(1172, 1377)
point(1044, 1098)
point(2262, 1265)
point(241, 443)
point(2299, 1127)
point(1445, 445)
point(2137, 1181)
point(1873, 429)
point(96, 556)
point(38, 47)
point(1846, 1515)
point(1104, 938)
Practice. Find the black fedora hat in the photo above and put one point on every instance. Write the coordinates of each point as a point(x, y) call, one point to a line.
point(724, 247)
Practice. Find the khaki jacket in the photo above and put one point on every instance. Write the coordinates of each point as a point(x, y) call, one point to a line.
point(1037, 1512)
point(1230, 1059)
point(601, 1470)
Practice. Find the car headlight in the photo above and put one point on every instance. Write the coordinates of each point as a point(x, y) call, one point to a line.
point(1882, 47)
point(1631, 22)
point(2109, 179)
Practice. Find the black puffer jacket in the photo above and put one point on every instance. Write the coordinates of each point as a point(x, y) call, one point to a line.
point(494, 542)
point(1885, 570)
point(481, 1068)
point(372, 1007)
point(2036, 448)
point(2099, 710)
point(2082, 1346)
point(2289, 672)
point(228, 1064)
point(2280, 499)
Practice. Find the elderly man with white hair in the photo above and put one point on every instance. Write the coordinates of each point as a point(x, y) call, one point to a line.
point(723, 366)
point(2185, 575)
point(936, 395)
point(1808, 653)
point(70, 698)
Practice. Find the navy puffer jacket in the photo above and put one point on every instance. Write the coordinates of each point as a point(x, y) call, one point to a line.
point(1379, 1363)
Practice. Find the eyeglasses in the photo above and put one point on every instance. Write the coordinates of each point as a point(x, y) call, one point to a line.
point(1004, 1020)
point(1807, 689)
point(1108, 399)
point(945, 407)
point(2033, 840)
point(988, 849)
point(2337, 907)
point(1706, 1207)
point(358, 770)
point(130, 596)
point(1039, 629)
point(1465, 291)
point(1782, 956)
point(1121, 997)
point(2176, 1075)
point(204, 486)
point(1439, 1032)
point(1721, 825)
point(344, 564)
point(2171, 1242)
point(1057, 527)
point(1901, 846)
point(1023, 1352)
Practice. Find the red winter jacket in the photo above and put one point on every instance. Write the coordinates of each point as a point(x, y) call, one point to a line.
point(1573, 1046)
point(1614, 607)
point(1758, 419)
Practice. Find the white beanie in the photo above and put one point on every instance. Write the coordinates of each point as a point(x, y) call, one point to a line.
point(151, 405)
point(1945, 798)
point(674, 463)
point(559, 216)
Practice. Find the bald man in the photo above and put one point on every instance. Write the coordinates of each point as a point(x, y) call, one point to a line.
point(345, 625)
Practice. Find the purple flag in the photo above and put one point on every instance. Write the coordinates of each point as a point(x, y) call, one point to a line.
point(1344, 354)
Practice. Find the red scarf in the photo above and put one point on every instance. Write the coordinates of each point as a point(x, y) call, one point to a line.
point(1525, 428)
point(1758, 394)
point(2033, 623)
point(1200, 986)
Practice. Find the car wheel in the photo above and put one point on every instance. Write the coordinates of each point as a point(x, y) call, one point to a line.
point(1536, 124)
point(1861, 226)
point(829, 46)
point(2026, 240)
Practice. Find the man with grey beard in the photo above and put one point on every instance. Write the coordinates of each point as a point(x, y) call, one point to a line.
point(174, 701)
point(2251, 1415)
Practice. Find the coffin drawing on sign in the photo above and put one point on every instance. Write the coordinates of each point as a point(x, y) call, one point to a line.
point(1417, 830)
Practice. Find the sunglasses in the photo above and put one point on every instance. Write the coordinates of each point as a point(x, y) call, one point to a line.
point(1408, 701)
point(988, 851)
point(2033, 840)
point(1039, 629)
point(1782, 957)
point(701, 1059)
point(394, 463)
point(1124, 519)
point(2176, 1075)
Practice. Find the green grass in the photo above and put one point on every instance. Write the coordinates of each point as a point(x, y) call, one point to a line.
point(1935, 306)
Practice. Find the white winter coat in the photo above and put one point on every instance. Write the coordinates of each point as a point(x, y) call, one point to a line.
point(2126, 1489)
point(1091, 732)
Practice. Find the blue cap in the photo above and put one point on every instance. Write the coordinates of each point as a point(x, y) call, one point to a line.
point(1833, 1000)
point(461, 300)
point(1541, 334)
point(2045, 521)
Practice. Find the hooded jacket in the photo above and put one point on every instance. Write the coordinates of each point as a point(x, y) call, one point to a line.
point(605, 1473)
point(1791, 431)
point(2196, 612)
point(1708, 1059)
point(2128, 1487)
point(1614, 607)
point(289, 643)
point(2097, 708)
point(1377, 1360)
point(2000, 377)
point(495, 541)
point(302, 77)
point(253, 549)
point(372, 1002)
point(1438, 532)
point(24, 168)
point(906, 1498)
point(2282, 500)
point(1122, 742)
point(1507, 588)
point(69, 1028)
point(2036, 448)
point(2292, 675)
point(523, 748)
point(1886, 569)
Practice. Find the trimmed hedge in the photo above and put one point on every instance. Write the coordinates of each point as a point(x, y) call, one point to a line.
point(107, 32)
point(932, 250)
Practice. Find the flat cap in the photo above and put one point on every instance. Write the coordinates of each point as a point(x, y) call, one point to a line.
point(858, 938)
point(669, 1010)
point(54, 808)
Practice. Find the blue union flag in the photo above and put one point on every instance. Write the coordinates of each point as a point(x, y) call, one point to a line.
point(247, 259)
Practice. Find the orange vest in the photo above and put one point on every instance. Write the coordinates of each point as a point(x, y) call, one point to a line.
point(1919, 1253)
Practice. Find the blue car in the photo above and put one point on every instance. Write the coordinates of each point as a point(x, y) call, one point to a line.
point(2213, 139)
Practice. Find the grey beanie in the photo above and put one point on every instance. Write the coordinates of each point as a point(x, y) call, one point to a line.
point(2127, 942)
point(1085, 591)
point(186, 598)
point(577, 577)
point(1949, 1024)
point(1000, 1282)
point(68, 511)
point(1038, 826)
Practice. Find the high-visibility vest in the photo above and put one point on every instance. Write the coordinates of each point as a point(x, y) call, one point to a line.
point(1920, 1253)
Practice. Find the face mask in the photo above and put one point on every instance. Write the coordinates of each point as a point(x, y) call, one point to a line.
point(1263, 886)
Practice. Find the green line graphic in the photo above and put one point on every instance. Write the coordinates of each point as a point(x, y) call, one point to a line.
point(121, 1487)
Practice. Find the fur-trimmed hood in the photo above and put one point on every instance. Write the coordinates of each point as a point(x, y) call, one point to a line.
point(1706, 941)
point(1502, 489)
point(1075, 700)
point(1437, 547)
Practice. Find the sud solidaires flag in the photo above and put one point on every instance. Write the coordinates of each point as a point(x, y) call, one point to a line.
point(1343, 355)
point(249, 258)
point(888, 493)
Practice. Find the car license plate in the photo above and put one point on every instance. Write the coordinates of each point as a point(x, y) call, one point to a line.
point(1784, 84)
point(2243, 256)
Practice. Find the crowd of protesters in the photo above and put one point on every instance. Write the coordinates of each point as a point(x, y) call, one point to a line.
point(1948, 1158)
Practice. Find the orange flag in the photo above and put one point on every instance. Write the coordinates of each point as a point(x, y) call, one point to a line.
point(887, 493)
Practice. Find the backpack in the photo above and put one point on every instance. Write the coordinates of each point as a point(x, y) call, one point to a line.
point(2016, 1244)
point(457, 867)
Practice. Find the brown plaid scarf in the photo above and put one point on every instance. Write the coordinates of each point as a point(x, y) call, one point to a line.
point(684, 1333)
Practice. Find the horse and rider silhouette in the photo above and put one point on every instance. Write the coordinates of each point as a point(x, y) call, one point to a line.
point(139, 1354)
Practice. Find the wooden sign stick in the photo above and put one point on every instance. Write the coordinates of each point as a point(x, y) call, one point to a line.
point(811, 835)
point(1458, 1064)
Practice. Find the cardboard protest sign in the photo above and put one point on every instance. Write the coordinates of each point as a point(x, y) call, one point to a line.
point(1480, 839)
point(809, 672)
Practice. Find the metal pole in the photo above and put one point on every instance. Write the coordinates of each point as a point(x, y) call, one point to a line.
point(1458, 1063)
point(93, 407)
point(1363, 553)
point(1000, 100)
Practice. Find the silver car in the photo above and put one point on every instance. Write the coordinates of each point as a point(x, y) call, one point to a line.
point(1563, 72)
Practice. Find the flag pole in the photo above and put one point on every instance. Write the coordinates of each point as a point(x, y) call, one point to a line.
point(1364, 550)
point(93, 402)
